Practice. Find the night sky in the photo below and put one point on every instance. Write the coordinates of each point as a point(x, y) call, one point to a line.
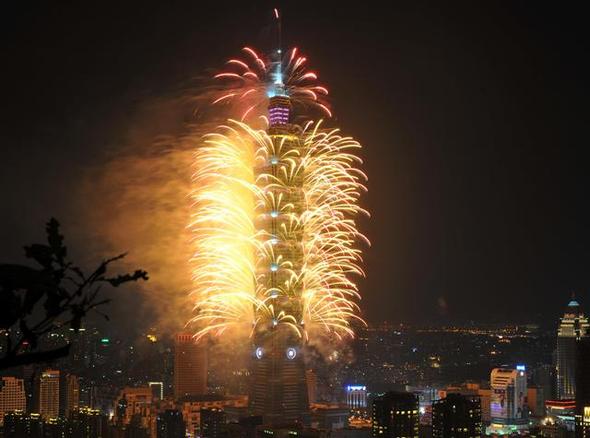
point(473, 116)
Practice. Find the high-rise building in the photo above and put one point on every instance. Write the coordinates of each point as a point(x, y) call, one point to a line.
point(457, 416)
point(356, 396)
point(279, 390)
point(583, 387)
point(213, 423)
point(190, 366)
point(49, 383)
point(170, 424)
point(572, 326)
point(508, 404)
point(69, 393)
point(12, 396)
point(395, 415)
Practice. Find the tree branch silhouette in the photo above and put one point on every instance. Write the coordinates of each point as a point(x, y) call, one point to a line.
point(36, 301)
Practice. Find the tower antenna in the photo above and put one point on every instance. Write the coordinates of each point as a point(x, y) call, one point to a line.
point(278, 22)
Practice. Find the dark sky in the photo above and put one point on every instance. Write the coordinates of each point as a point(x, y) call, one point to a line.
point(474, 118)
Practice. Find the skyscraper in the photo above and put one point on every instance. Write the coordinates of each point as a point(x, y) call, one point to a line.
point(190, 366)
point(69, 394)
point(573, 325)
point(49, 394)
point(456, 416)
point(395, 415)
point(12, 396)
point(279, 390)
point(508, 404)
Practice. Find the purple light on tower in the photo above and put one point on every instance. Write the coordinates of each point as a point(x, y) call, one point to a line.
point(279, 110)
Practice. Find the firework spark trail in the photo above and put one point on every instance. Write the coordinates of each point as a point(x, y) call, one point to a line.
point(230, 291)
point(245, 83)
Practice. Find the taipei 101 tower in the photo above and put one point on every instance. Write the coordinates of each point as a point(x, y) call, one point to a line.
point(279, 391)
point(275, 235)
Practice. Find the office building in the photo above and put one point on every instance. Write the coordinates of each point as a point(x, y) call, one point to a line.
point(12, 396)
point(572, 326)
point(131, 403)
point(69, 394)
point(356, 396)
point(49, 394)
point(395, 415)
point(190, 366)
point(457, 416)
point(508, 404)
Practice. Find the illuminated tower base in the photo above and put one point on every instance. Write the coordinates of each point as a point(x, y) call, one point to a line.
point(279, 390)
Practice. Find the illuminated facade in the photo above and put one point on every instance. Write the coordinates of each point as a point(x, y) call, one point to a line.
point(279, 391)
point(356, 396)
point(190, 366)
point(71, 394)
point(49, 384)
point(395, 415)
point(508, 404)
point(12, 396)
point(572, 326)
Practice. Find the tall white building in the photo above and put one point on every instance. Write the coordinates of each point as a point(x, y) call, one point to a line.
point(508, 400)
point(573, 325)
point(12, 396)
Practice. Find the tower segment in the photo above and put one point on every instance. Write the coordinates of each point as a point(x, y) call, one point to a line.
point(279, 391)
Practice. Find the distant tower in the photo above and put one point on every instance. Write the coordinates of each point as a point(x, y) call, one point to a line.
point(395, 415)
point(572, 326)
point(70, 394)
point(279, 390)
point(190, 366)
point(49, 394)
point(457, 416)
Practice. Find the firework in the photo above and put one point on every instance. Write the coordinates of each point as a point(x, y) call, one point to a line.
point(298, 272)
point(247, 83)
